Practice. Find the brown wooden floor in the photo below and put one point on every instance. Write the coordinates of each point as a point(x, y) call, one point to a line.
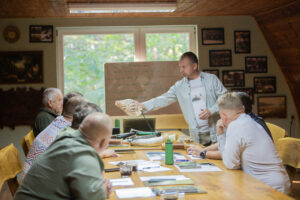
point(5, 193)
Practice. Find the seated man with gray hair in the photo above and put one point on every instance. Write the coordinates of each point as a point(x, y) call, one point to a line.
point(71, 167)
point(247, 146)
point(212, 151)
point(52, 108)
point(47, 136)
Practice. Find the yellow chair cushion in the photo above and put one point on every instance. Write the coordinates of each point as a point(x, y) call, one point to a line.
point(277, 133)
point(11, 163)
point(289, 151)
point(27, 141)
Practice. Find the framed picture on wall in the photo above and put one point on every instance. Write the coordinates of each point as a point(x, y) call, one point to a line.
point(233, 78)
point(271, 107)
point(220, 58)
point(256, 64)
point(212, 36)
point(21, 67)
point(212, 71)
point(265, 84)
point(41, 33)
point(242, 42)
point(249, 91)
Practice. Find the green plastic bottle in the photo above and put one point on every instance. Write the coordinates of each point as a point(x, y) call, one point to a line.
point(169, 153)
point(117, 123)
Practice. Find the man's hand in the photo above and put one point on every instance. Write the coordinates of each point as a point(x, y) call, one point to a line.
point(106, 184)
point(220, 127)
point(205, 114)
point(106, 153)
point(195, 150)
point(141, 105)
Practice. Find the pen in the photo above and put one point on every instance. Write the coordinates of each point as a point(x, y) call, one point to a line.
point(182, 160)
point(151, 167)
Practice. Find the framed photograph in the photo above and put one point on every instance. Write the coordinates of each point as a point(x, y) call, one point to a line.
point(249, 91)
point(256, 64)
point(242, 42)
point(233, 78)
point(220, 58)
point(265, 84)
point(212, 36)
point(21, 67)
point(212, 71)
point(41, 33)
point(271, 107)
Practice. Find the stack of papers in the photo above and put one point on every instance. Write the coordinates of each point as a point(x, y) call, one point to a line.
point(161, 156)
point(128, 162)
point(186, 189)
point(165, 180)
point(196, 167)
point(157, 169)
point(129, 193)
point(143, 165)
point(121, 182)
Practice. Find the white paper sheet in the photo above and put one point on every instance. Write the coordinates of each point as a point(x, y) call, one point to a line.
point(141, 192)
point(161, 156)
point(157, 169)
point(133, 162)
point(148, 164)
point(194, 157)
point(121, 182)
point(177, 177)
point(204, 168)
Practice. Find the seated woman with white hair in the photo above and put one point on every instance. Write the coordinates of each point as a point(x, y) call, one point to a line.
point(247, 146)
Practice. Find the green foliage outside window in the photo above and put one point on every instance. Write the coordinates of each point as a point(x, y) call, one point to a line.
point(85, 56)
point(166, 46)
point(84, 59)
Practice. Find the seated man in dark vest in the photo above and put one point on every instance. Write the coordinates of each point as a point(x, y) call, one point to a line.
point(52, 107)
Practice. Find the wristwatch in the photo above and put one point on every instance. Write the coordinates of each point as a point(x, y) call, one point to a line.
point(203, 154)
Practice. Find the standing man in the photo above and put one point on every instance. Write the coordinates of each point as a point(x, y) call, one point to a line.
point(53, 105)
point(197, 94)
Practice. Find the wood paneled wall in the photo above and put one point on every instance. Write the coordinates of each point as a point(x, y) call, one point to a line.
point(281, 28)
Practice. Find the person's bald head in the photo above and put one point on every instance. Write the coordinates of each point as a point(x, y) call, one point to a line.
point(96, 128)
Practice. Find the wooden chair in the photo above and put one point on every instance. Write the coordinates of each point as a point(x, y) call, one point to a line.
point(27, 141)
point(277, 133)
point(289, 152)
point(11, 166)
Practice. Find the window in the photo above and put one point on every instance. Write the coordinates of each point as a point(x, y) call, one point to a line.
point(82, 53)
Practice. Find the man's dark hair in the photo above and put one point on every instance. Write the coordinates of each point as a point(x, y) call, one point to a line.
point(246, 101)
point(82, 111)
point(70, 105)
point(191, 56)
point(69, 95)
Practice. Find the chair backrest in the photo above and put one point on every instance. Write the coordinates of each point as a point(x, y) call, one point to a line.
point(175, 121)
point(277, 133)
point(27, 141)
point(11, 166)
point(289, 152)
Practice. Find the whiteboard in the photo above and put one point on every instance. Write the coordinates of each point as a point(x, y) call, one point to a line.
point(140, 81)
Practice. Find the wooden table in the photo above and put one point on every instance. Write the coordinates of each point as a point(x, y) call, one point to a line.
point(227, 184)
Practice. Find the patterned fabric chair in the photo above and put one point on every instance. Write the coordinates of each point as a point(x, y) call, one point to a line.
point(10, 167)
point(27, 141)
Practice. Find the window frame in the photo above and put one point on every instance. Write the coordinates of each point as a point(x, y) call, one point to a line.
point(139, 35)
